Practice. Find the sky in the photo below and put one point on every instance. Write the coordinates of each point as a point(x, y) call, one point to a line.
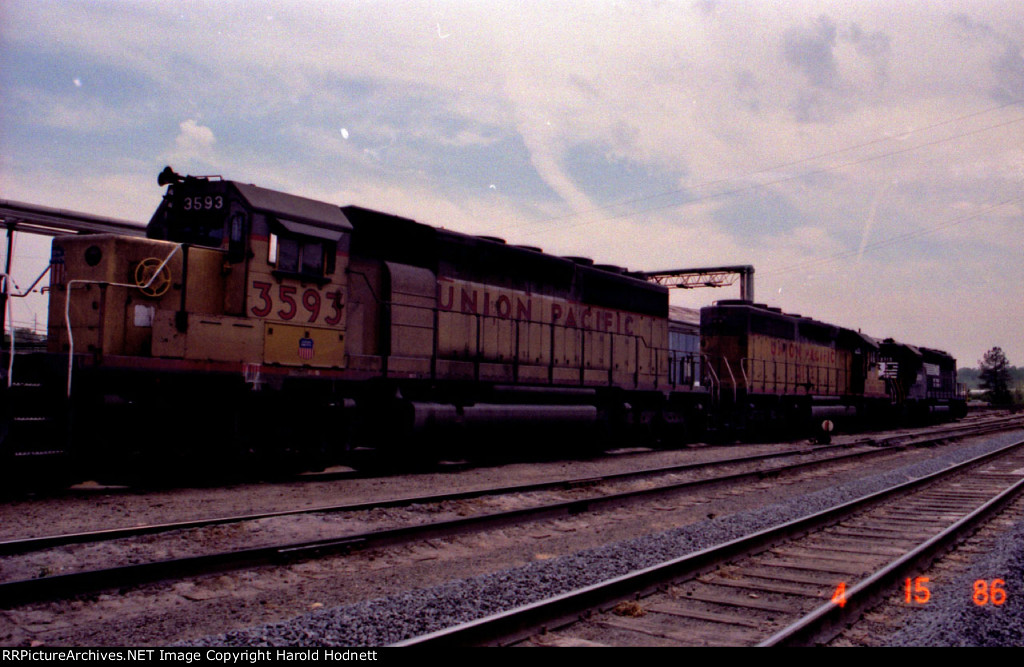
point(866, 157)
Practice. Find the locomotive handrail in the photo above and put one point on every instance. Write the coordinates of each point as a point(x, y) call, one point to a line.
point(714, 376)
point(735, 389)
point(715, 385)
point(744, 362)
point(833, 383)
point(67, 304)
point(6, 279)
point(580, 362)
point(743, 370)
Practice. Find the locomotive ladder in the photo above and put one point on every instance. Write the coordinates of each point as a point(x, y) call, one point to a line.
point(31, 414)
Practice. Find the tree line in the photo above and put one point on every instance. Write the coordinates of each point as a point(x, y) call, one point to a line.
point(1003, 384)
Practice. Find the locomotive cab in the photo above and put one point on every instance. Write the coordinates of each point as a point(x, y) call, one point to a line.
point(240, 286)
point(229, 273)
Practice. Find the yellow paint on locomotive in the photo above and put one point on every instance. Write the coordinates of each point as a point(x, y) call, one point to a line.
point(411, 319)
point(365, 316)
point(283, 344)
point(107, 319)
point(536, 338)
point(763, 364)
point(790, 367)
point(298, 320)
point(289, 321)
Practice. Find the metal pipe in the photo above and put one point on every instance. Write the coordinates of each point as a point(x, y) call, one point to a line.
point(426, 415)
point(7, 312)
point(833, 411)
point(3, 292)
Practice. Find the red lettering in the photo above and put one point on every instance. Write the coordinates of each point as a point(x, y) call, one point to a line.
point(284, 293)
point(468, 302)
point(336, 304)
point(264, 295)
point(586, 318)
point(311, 302)
point(487, 302)
point(570, 320)
point(523, 310)
point(503, 306)
point(440, 297)
point(556, 312)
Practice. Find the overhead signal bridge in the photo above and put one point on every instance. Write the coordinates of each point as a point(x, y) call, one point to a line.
point(718, 276)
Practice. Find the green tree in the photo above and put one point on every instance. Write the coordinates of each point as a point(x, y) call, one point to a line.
point(994, 372)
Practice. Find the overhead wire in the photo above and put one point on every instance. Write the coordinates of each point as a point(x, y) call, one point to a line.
point(893, 240)
point(754, 186)
point(791, 177)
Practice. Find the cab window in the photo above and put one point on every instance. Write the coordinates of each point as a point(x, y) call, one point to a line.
point(297, 255)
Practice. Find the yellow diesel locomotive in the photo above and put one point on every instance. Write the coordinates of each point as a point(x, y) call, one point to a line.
point(250, 320)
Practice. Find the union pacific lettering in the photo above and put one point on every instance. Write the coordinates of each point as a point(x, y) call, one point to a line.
point(478, 299)
point(793, 352)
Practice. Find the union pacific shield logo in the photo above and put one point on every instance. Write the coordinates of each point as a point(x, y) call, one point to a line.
point(306, 348)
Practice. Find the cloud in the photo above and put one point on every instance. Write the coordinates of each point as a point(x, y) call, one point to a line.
point(809, 50)
point(568, 109)
point(194, 142)
point(81, 114)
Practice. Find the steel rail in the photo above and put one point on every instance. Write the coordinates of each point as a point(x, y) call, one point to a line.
point(25, 545)
point(519, 623)
point(13, 592)
point(825, 622)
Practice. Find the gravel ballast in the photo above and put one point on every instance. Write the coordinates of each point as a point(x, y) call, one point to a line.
point(955, 620)
point(391, 619)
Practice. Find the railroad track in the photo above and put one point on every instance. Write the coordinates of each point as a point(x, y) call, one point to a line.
point(25, 545)
point(61, 585)
point(794, 584)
